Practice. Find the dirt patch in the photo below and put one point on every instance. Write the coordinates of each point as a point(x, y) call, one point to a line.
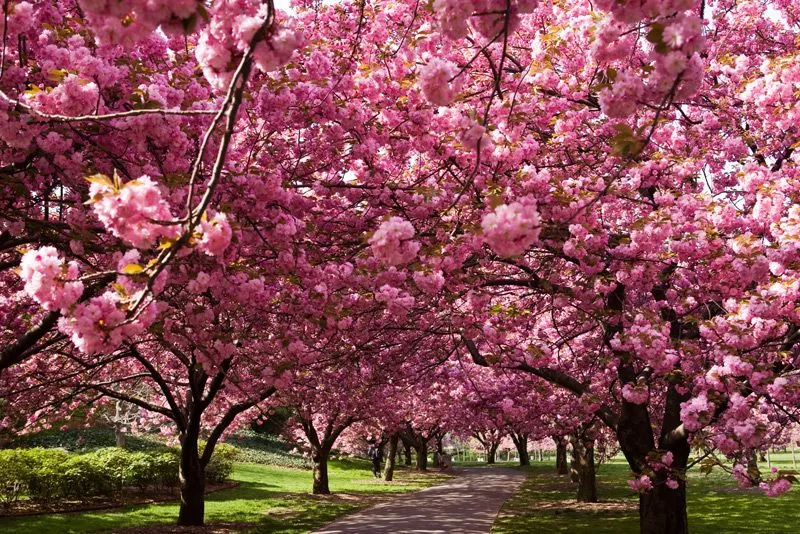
point(733, 490)
point(211, 528)
point(28, 508)
point(605, 507)
point(366, 499)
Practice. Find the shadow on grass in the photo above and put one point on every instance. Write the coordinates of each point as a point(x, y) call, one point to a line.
point(715, 505)
point(268, 499)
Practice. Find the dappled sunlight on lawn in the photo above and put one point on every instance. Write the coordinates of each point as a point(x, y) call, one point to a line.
point(715, 506)
point(267, 499)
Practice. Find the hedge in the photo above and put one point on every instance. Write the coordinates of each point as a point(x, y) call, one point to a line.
point(52, 474)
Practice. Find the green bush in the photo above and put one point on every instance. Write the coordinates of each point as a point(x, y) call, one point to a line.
point(88, 439)
point(220, 466)
point(259, 448)
point(50, 474)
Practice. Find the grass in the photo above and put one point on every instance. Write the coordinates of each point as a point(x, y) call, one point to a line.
point(269, 499)
point(715, 505)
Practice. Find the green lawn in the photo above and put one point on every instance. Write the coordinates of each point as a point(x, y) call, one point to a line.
point(268, 499)
point(715, 505)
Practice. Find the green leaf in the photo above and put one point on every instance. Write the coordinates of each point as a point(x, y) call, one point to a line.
point(101, 179)
point(656, 36)
point(132, 269)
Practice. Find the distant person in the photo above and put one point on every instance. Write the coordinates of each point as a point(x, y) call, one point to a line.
point(374, 453)
point(443, 460)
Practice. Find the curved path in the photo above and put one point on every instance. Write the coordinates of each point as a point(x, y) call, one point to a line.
point(468, 504)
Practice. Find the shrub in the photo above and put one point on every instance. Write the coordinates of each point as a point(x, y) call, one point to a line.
point(220, 466)
point(259, 448)
point(49, 474)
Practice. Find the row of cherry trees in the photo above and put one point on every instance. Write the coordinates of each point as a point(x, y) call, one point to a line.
point(475, 216)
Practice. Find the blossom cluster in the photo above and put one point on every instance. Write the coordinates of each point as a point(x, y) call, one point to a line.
point(135, 211)
point(512, 228)
point(393, 244)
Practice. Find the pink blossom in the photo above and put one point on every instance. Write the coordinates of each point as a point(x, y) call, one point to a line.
point(453, 16)
point(215, 234)
point(512, 228)
point(49, 280)
point(635, 394)
point(135, 211)
point(392, 242)
point(776, 488)
point(643, 484)
point(439, 82)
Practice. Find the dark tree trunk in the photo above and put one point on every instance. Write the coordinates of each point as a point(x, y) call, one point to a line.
point(521, 443)
point(663, 510)
point(388, 470)
point(192, 482)
point(753, 472)
point(422, 456)
point(407, 453)
point(438, 454)
point(119, 436)
point(583, 469)
point(320, 459)
point(491, 453)
point(561, 455)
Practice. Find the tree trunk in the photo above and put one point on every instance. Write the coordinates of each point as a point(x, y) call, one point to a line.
point(119, 436)
point(753, 472)
point(422, 456)
point(439, 452)
point(663, 510)
point(388, 470)
point(192, 483)
point(491, 453)
point(583, 469)
point(407, 453)
point(561, 455)
point(320, 459)
point(521, 443)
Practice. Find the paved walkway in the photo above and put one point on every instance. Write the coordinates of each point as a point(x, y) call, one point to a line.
point(468, 504)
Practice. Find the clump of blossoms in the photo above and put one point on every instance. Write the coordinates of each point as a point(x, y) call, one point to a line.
point(125, 22)
point(134, 211)
point(392, 243)
point(776, 488)
point(643, 484)
point(215, 234)
point(438, 81)
point(512, 228)
point(232, 29)
point(101, 323)
point(487, 17)
point(635, 394)
point(49, 280)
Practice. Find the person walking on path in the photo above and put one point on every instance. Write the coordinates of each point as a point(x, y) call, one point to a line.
point(374, 453)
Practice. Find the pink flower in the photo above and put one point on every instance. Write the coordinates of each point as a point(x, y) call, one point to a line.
point(511, 228)
point(475, 136)
point(439, 82)
point(215, 233)
point(776, 488)
point(392, 243)
point(429, 283)
point(453, 16)
point(49, 280)
point(643, 484)
point(635, 394)
point(135, 212)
